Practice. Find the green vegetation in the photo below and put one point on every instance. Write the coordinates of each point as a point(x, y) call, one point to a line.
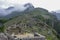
point(39, 20)
point(3, 20)
point(2, 28)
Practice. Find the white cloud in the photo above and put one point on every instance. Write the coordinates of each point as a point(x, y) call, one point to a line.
point(47, 4)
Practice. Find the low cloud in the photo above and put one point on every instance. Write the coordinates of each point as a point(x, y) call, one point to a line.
point(4, 4)
point(17, 7)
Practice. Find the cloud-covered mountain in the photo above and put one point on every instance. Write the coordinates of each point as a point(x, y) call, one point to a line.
point(20, 8)
point(15, 10)
point(29, 7)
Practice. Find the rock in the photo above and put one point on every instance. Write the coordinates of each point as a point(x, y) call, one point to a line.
point(39, 35)
point(3, 37)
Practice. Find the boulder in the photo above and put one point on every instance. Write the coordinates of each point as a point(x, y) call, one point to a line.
point(3, 37)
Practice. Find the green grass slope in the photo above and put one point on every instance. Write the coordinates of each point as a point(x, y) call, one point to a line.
point(34, 21)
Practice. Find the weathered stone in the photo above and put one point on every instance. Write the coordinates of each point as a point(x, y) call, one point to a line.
point(3, 37)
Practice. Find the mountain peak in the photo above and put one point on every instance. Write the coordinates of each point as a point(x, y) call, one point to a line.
point(9, 8)
point(19, 8)
point(28, 4)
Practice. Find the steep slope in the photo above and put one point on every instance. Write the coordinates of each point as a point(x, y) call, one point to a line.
point(57, 22)
point(30, 22)
point(57, 14)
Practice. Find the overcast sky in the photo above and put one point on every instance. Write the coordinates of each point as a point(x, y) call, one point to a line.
point(47, 4)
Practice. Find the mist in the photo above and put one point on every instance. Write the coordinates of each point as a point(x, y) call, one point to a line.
point(16, 7)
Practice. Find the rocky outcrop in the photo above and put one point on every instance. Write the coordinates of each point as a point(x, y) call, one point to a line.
point(5, 36)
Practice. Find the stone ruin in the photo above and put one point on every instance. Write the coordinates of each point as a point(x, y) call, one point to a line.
point(14, 35)
point(6, 36)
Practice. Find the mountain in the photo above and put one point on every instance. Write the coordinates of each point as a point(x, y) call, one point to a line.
point(7, 11)
point(10, 9)
point(30, 7)
point(13, 11)
point(37, 20)
point(27, 19)
point(1, 12)
point(57, 11)
point(57, 14)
